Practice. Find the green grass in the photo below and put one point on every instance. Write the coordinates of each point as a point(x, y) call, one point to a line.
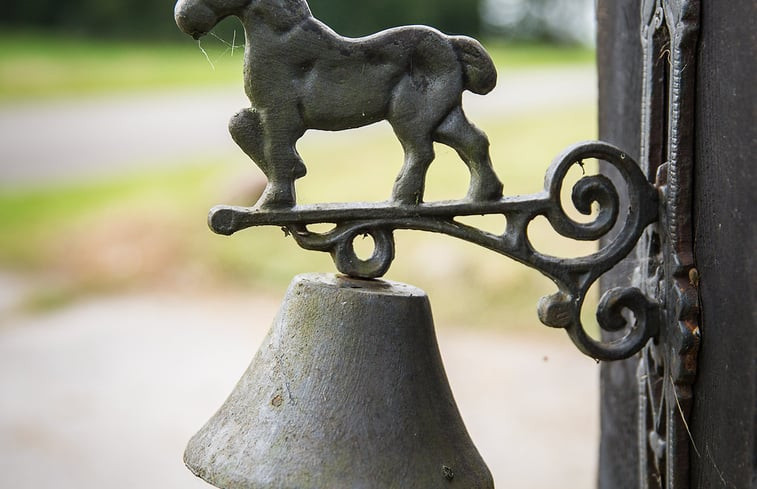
point(520, 55)
point(35, 220)
point(39, 65)
point(148, 229)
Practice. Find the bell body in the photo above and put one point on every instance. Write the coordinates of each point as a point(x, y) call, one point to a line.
point(347, 391)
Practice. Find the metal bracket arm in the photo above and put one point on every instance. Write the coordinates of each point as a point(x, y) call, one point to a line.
point(290, 79)
point(573, 276)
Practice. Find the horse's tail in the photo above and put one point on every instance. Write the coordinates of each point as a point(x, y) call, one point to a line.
point(479, 73)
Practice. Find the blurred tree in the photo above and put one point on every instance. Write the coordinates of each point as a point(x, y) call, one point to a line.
point(532, 20)
point(352, 18)
point(560, 21)
point(150, 18)
point(121, 18)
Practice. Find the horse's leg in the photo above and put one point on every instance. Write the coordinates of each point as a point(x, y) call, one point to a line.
point(472, 145)
point(249, 132)
point(246, 128)
point(411, 181)
point(283, 162)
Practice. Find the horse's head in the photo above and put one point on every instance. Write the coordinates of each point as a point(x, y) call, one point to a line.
point(198, 17)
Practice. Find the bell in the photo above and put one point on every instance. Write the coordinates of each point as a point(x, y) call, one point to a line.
point(347, 391)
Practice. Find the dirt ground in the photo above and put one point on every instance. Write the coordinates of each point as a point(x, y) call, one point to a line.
point(105, 393)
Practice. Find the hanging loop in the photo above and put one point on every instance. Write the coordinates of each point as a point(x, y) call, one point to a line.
point(347, 261)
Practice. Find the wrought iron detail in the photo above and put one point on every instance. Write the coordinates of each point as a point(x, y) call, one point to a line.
point(289, 78)
point(573, 277)
point(667, 367)
point(413, 77)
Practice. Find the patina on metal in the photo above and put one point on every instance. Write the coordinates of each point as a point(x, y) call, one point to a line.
point(300, 75)
point(667, 368)
point(347, 390)
point(573, 276)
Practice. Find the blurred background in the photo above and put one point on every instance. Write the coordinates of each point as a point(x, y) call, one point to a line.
point(124, 322)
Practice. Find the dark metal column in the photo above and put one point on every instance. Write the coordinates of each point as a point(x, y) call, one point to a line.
point(619, 66)
point(696, 111)
point(725, 209)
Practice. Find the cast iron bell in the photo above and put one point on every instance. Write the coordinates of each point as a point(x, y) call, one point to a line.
point(347, 391)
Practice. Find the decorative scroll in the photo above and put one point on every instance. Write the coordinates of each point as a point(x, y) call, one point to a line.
point(667, 367)
point(299, 75)
point(573, 276)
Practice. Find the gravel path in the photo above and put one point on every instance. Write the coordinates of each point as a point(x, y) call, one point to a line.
point(106, 393)
point(71, 139)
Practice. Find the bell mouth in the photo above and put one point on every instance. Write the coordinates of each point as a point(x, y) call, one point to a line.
point(347, 390)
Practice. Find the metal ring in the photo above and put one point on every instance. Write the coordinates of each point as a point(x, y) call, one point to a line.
point(348, 263)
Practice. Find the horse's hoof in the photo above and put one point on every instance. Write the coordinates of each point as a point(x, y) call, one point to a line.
point(274, 204)
point(299, 170)
point(491, 193)
point(271, 200)
point(411, 199)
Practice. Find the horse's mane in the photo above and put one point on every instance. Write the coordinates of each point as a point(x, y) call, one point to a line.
point(283, 14)
point(295, 7)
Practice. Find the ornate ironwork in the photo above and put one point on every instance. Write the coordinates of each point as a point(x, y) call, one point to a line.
point(301, 75)
point(573, 276)
point(667, 367)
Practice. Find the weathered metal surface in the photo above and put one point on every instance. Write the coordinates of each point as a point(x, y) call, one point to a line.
point(723, 417)
point(573, 276)
point(666, 272)
point(300, 75)
point(619, 76)
point(347, 391)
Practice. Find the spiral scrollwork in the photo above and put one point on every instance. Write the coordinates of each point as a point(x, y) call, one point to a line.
point(573, 276)
point(339, 242)
point(630, 331)
point(588, 190)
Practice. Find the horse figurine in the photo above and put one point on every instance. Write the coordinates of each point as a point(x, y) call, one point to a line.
point(299, 75)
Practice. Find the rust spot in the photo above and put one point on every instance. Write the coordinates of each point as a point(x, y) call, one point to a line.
point(277, 401)
point(694, 277)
